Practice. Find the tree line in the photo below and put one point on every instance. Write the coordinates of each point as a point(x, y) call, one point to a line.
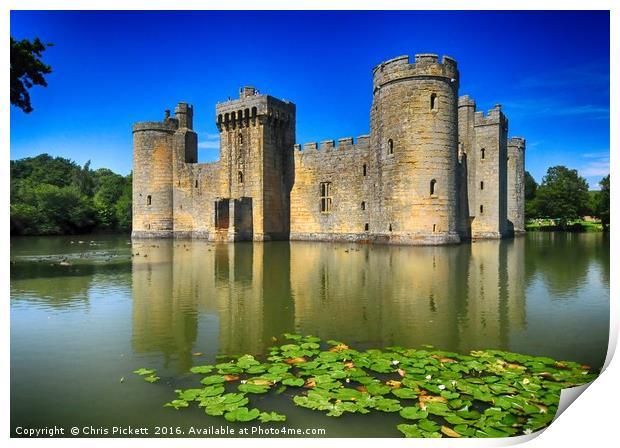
point(565, 196)
point(56, 196)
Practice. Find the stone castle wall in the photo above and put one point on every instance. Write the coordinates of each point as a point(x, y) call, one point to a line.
point(432, 171)
point(346, 169)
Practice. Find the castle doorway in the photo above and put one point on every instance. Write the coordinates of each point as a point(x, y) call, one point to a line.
point(222, 214)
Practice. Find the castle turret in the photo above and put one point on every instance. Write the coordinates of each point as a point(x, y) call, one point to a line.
point(414, 136)
point(257, 134)
point(516, 185)
point(153, 143)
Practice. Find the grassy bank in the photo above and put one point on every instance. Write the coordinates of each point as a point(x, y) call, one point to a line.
point(579, 225)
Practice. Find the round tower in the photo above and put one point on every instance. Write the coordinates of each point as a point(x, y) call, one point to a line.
point(516, 185)
point(152, 178)
point(414, 134)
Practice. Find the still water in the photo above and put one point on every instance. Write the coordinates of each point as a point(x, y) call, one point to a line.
point(87, 311)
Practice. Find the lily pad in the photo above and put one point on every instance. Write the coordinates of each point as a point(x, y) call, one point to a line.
point(202, 369)
point(177, 404)
point(413, 413)
point(254, 388)
point(266, 417)
point(242, 415)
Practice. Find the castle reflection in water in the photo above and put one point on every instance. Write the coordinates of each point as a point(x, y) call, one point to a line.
point(234, 298)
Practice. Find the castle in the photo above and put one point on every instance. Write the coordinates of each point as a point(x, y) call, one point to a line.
point(433, 170)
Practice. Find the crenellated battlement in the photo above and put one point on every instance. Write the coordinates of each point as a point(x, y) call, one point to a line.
point(424, 65)
point(493, 116)
point(466, 101)
point(328, 147)
point(518, 142)
point(252, 108)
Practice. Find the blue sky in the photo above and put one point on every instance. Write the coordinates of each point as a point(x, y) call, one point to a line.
point(549, 70)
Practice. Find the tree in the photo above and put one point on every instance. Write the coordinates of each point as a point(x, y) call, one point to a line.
point(109, 187)
point(603, 202)
point(54, 195)
point(563, 195)
point(27, 70)
point(530, 186)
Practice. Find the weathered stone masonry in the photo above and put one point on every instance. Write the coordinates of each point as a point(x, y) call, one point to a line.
point(433, 170)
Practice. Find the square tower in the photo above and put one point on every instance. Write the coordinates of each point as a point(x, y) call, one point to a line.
point(489, 195)
point(257, 134)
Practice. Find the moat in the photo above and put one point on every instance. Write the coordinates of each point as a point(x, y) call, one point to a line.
point(88, 310)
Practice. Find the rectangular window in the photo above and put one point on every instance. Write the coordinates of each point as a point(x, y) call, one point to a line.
point(326, 197)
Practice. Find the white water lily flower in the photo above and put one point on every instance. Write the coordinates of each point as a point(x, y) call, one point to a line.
point(453, 382)
point(243, 381)
point(428, 377)
point(525, 381)
point(441, 387)
point(527, 431)
point(395, 362)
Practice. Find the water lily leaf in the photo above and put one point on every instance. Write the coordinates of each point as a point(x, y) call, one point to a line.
point(410, 430)
point(377, 388)
point(489, 431)
point(387, 405)
point(224, 403)
point(413, 413)
point(297, 382)
point(213, 379)
point(347, 394)
point(428, 425)
point(257, 369)
point(177, 404)
point(436, 408)
point(271, 417)
point(405, 393)
point(202, 369)
point(151, 378)
point(143, 371)
point(339, 348)
point(449, 432)
point(340, 408)
point(310, 346)
point(189, 394)
point(449, 395)
point(465, 430)
point(211, 391)
point(228, 368)
point(261, 381)
point(289, 347)
point(279, 369)
point(247, 361)
point(242, 415)
point(253, 388)
point(292, 337)
point(298, 360)
point(234, 398)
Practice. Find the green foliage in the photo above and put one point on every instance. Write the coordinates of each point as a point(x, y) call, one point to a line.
point(530, 186)
point(562, 195)
point(487, 393)
point(27, 70)
point(602, 205)
point(55, 196)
